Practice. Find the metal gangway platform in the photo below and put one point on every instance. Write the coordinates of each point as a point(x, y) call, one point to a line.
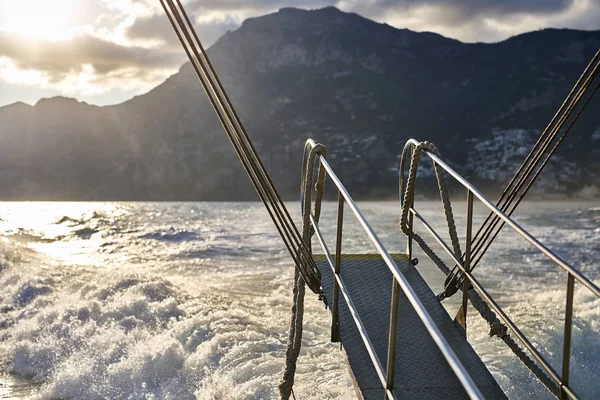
point(399, 340)
point(420, 370)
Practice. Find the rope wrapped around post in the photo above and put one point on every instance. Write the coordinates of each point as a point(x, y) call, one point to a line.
point(409, 197)
point(294, 343)
point(497, 328)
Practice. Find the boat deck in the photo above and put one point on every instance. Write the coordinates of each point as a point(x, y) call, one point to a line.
point(421, 371)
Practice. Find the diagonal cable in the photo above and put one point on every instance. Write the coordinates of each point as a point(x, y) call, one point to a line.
point(242, 143)
point(526, 175)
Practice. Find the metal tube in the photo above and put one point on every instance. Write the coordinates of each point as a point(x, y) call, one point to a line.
point(570, 393)
point(242, 144)
point(409, 241)
point(465, 299)
point(321, 240)
point(335, 316)
point(538, 156)
point(361, 328)
point(493, 305)
point(391, 354)
point(567, 337)
point(573, 274)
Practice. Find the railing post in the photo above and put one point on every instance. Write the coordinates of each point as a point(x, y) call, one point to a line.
point(409, 241)
point(391, 356)
point(567, 337)
point(467, 265)
point(335, 314)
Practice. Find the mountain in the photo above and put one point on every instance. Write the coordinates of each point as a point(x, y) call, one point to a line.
point(357, 86)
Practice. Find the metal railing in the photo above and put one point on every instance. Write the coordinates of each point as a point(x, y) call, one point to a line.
point(399, 282)
point(465, 266)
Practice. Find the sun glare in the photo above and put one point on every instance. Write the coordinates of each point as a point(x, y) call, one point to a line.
point(37, 18)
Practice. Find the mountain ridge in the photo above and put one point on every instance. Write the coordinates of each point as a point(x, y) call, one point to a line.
point(360, 87)
point(320, 10)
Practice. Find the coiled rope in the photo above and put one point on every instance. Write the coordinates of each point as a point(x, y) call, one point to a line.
point(294, 343)
point(409, 197)
point(497, 328)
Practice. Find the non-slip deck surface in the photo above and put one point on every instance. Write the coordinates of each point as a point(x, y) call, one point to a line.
point(421, 370)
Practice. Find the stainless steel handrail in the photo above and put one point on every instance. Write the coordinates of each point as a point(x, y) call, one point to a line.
point(572, 273)
point(536, 243)
point(400, 282)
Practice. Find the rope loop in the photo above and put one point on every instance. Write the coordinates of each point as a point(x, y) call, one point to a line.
point(294, 342)
point(497, 328)
point(409, 196)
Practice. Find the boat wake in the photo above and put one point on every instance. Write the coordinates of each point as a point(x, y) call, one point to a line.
point(139, 310)
point(80, 331)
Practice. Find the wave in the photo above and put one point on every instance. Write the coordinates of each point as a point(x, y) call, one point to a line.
point(85, 233)
point(183, 329)
point(21, 235)
point(72, 221)
point(96, 334)
point(107, 339)
point(212, 250)
point(65, 219)
point(539, 314)
point(171, 235)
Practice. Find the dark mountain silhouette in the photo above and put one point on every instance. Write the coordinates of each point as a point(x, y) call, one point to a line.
point(359, 87)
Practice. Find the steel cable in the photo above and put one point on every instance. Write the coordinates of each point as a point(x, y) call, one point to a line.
point(546, 143)
point(527, 174)
point(532, 180)
point(242, 144)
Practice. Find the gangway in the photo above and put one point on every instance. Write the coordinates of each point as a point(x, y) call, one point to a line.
point(399, 340)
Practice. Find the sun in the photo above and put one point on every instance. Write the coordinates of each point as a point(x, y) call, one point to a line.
point(36, 18)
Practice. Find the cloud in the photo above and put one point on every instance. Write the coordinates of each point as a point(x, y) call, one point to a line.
point(125, 47)
point(92, 60)
point(59, 58)
point(211, 18)
point(157, 28)
point(85, 82)
point(136, 33)
point(479, 20)
point(455, 11)
point(466, 20)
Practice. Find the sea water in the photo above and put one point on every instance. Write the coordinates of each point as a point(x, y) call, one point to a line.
point(193, 300)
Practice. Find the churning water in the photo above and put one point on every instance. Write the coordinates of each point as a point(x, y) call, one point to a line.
point(192, 300)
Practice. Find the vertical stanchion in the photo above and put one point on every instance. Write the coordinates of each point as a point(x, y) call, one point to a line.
point(409, 241)
point(467, 265)
point(391, 356)
point(567, 339)
point(335, 322)
point(391, 353)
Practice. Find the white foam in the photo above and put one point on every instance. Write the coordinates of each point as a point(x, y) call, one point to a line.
point(123, 335)
point(123, 316)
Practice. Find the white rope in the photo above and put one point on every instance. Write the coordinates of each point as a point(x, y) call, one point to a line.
point(294, 343)
point(497, 328)
point(409, 195)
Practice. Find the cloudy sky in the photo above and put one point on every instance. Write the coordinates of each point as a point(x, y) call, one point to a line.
point(106, 51)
